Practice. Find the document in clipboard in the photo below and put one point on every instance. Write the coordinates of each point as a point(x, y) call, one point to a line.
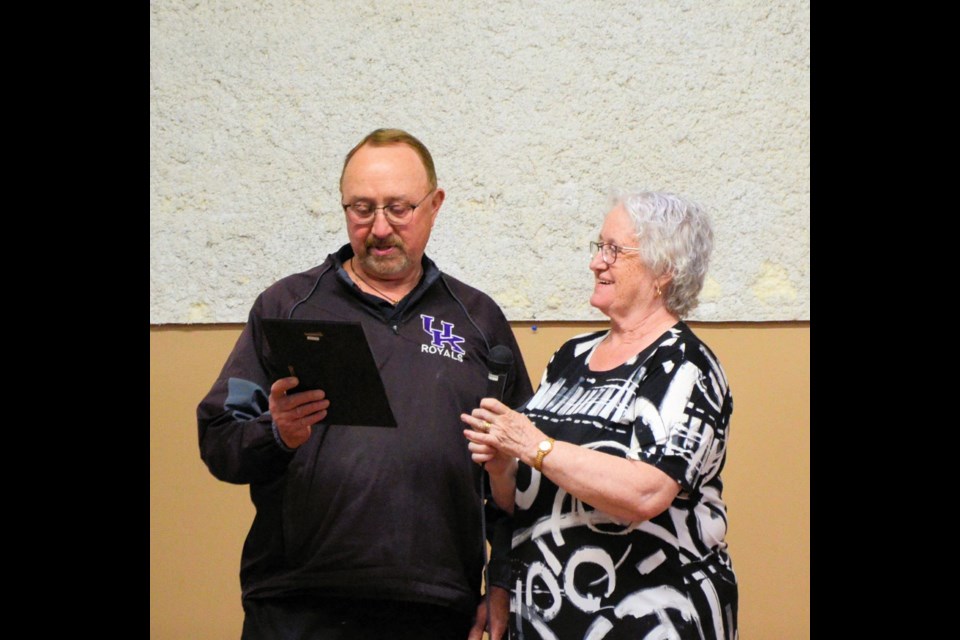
point(334, 356)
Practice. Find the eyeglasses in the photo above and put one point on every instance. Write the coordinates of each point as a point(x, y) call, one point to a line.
point(608, 250)
point(396, 213)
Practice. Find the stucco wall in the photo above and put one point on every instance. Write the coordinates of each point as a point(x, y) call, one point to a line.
point(532, 109)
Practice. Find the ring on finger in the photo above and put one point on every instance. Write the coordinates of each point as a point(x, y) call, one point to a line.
point(486, 426)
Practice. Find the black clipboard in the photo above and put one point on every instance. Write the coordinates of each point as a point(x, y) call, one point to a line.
point(334, 356)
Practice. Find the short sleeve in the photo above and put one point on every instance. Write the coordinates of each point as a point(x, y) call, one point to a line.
point(682, 413)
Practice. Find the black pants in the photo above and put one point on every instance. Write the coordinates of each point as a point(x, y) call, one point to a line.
point(305, 618)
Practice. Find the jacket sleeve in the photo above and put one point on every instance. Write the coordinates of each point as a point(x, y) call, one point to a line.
point(237, 441)
point(499, 535)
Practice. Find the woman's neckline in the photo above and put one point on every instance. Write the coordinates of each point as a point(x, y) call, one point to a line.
point(631, 356)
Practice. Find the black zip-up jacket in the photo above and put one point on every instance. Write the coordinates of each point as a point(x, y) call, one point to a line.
point(391, 513)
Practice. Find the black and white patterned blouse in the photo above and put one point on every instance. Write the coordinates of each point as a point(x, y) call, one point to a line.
point(580, 573)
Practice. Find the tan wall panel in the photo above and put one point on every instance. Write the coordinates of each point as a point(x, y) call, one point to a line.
point(198, 524)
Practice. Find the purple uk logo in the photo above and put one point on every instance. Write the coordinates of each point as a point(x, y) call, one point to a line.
point(443, 340)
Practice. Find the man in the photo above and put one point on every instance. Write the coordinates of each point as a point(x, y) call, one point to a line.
point(368, 532)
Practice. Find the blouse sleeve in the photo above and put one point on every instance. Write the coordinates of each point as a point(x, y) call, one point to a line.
point(683, 408)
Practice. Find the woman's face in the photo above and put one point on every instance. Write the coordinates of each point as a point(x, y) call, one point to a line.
point(627, 286)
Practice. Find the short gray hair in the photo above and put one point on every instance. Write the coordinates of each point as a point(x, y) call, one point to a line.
point(675, 238)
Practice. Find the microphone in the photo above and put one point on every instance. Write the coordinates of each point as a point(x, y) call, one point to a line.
point(499, 362)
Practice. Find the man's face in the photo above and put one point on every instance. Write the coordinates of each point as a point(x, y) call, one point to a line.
point(381, 175)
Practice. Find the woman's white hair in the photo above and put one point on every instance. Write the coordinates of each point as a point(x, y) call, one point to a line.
point(675, 238)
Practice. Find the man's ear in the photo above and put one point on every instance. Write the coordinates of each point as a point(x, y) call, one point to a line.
point(437, 201)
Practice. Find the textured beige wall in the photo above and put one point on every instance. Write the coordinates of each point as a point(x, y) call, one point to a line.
point(197, 523)
point(532, 109)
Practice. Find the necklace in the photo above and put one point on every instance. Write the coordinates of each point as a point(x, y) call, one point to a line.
point(354, 269)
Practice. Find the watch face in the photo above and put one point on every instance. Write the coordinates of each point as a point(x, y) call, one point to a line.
point(545, 445)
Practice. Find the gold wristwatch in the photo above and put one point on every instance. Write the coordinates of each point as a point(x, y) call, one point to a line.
point(543, 449)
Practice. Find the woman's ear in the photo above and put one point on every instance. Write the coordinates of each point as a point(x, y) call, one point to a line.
point(662, 281)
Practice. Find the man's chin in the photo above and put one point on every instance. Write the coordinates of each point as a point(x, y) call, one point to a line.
point(385, 265)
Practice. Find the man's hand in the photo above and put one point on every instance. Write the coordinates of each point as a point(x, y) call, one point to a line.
point(296, 414)
point(499, 614)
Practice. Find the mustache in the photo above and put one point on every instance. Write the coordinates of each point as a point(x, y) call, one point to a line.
point(383, 243)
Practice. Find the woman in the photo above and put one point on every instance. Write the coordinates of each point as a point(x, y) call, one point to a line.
point(612, 468)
